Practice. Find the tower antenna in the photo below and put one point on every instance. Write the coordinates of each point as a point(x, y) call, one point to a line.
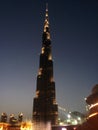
point(47, 6)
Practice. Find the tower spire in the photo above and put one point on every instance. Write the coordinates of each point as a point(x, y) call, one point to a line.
point(46, 32)
point(46, 6)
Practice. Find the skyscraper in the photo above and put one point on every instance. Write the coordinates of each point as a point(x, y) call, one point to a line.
point(45, 108)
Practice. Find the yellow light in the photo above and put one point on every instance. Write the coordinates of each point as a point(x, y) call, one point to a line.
point(93, 105)
point(42, 50)
point(37, 93)
point(50, 57)
point(94, 114)
point(48, 36)
point(26, 125)
point(40, 71)
point(4, 126)
point(1, 127)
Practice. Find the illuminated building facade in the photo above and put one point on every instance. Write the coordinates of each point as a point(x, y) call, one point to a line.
point(20, 117)
point(12, 119)
point(45, 108)
point(92, 101)
point(91, 122)
point(4, 117)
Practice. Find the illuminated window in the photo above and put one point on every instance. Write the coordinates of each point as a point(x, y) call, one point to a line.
point(46, 14)
point(37, 93)
point(48, 35)
point(50, 57)
point(43, 50)
point(40, 71)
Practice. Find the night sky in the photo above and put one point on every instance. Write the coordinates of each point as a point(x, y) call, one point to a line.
point(74, 35)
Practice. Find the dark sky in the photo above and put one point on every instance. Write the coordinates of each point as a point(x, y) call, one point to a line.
point(74, 34)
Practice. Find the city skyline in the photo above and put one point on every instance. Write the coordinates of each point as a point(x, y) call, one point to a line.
point(73, 27)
